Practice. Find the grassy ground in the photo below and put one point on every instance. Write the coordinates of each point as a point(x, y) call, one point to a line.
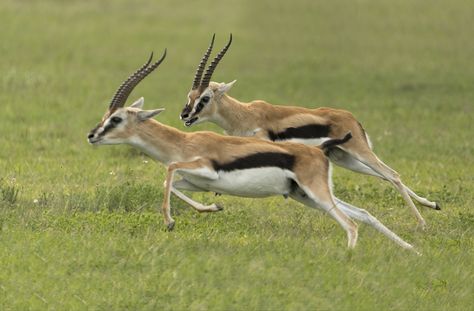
point(79, 227)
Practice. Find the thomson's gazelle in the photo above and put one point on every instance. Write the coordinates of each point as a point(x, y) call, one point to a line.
point(208, 101)
point(246, 167)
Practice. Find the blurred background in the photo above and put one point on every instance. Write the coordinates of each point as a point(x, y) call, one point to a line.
point(403, 68)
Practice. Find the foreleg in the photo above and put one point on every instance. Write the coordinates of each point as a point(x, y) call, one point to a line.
point(196, 205)
point(198, 167)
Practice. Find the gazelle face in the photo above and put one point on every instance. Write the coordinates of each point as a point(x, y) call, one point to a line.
point(203, 106)
point(113, 129)
point(121, 125)
point(202, 98)
point(200, 107)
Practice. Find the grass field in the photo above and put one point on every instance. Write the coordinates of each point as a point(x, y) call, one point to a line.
point(79, 227)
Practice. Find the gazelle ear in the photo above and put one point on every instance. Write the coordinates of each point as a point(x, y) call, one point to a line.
point(147, 114)
point(138, 103)
point(225, 87)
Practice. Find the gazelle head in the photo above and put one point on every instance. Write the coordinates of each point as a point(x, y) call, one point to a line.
point(201, 99)
point(119, 123)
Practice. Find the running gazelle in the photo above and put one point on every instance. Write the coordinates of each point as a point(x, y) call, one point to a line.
point(209, 101)
point(247, 167)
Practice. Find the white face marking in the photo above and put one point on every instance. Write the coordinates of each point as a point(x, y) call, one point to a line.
point(369, 142)
point(208, 92)
point(100, 134)
point(255, 182)
point(100, 130)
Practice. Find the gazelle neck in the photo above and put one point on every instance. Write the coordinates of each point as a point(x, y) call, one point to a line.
point(161, 142)
point(234, 117)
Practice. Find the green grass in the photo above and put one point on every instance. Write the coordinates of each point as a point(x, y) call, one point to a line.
point(79, 227)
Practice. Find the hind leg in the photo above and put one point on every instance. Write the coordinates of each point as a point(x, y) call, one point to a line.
point(321, 199)
point(370, 164)
point(366, 217)
point(421, 200)
point(348, 161)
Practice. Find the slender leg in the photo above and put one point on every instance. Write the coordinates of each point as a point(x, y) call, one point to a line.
point(366, 217)
point(196, 205)
point(346, 160)
point(325, 203)
point(198, 167)
point(370, 164)
point(421, 200)
point(165, 207)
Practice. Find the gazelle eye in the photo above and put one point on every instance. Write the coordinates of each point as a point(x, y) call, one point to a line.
point(116, 120)
point(205, 99)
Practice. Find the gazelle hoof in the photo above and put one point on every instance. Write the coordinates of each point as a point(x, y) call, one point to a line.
point(170, 226)
point(422, 226)
point(437, 207)
point(218, 207)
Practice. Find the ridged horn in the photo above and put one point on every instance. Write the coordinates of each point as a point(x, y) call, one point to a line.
point(202, 64)
point(210, 70)
point(132, 81)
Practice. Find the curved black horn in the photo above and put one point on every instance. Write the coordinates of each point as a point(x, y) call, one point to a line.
point(213, 65)
point(127, 81)
point(132, 81)
point(202, 64)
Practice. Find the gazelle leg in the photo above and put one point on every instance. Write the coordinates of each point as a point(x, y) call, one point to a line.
point(196, 205)
point(346, 160)
point(365, 217)
point(393, 177)
point(194, 167)
point(322, 200)
point(398, 181)
point(421, 200)
point(370, 160)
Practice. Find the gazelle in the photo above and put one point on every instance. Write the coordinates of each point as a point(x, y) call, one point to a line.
point(247, 167)
point(209, 101)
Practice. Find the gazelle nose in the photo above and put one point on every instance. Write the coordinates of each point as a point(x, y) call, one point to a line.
point(184, 115)
point(90, 136)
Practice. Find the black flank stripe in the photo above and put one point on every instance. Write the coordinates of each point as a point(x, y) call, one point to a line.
point(306, 131)
point(261, 159)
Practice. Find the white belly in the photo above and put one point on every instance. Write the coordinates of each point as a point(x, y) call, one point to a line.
point(309, 141)
point(255, 182)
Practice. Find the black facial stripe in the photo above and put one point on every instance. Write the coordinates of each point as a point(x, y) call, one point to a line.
point(305, 131)
point(107, 128)
point(187, 109)
point(199, 107)
point(261, 159)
